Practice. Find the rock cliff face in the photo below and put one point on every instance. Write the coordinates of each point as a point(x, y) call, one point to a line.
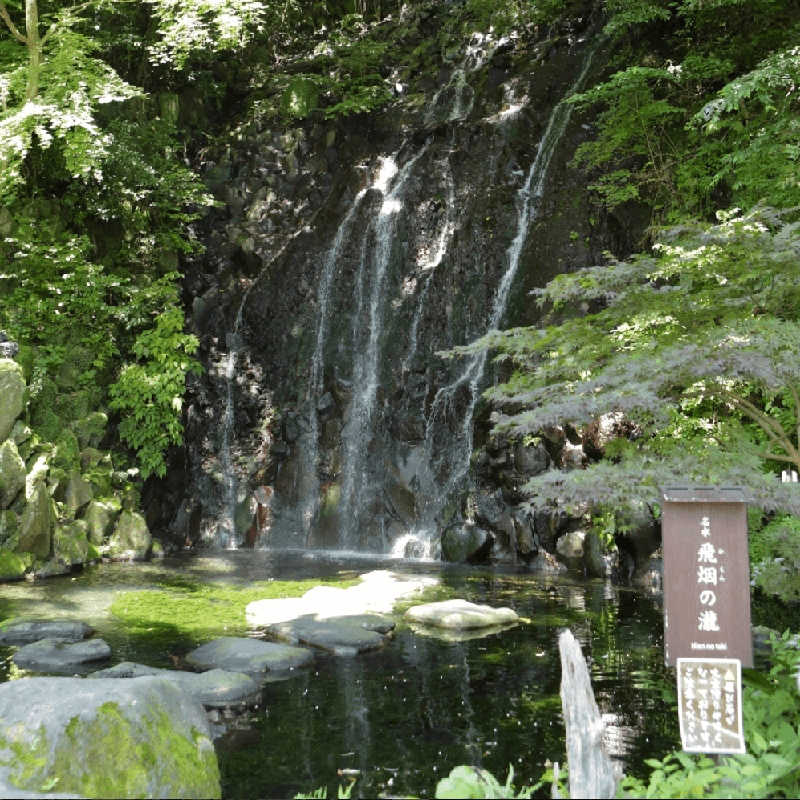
point(346, 256)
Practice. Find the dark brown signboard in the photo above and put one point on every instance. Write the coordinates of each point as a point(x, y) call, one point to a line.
point(710, 705)
point(706, 575)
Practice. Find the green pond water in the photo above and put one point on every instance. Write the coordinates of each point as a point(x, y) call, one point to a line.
point(400, 718)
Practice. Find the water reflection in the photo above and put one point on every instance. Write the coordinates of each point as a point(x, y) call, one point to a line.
point(403, 717)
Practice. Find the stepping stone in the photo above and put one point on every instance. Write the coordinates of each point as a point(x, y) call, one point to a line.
point(56, 655)
point(251, 656)
point(378, 591)
point(460, 614)
point(342, 636)
point(458, 634)
point(25, 631)
point(216, 688)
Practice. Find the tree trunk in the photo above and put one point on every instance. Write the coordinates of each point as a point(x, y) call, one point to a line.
point(34, 47)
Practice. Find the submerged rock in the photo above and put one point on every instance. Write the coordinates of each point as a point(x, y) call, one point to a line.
point(342, 636)
point(25, 631)
point(56, 655)
point(142, 737)
point(216, 688)
point(251, 656)
point(460, 614)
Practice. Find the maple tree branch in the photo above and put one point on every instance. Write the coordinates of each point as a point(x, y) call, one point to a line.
point(11, 26)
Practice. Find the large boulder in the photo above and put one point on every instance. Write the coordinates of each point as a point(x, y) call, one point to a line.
point(141, 737)
point(131, 538)
point(466, 543)
point(12, 395)
point(13, 566)
point(12, 473)
point(36, 524)
point(77, 494)
point(100, 516)
point(71, 543)
point(570, 549)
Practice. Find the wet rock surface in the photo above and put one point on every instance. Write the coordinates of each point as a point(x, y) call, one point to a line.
point(215, 688)
point(250, 656)
point(342, 636)
point(142, 737)
point(56, 655)
point(25, 631)
point(460, 614)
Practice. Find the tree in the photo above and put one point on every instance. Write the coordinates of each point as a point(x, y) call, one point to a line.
point(696, 343)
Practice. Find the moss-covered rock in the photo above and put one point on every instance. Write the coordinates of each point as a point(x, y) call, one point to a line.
point(71, 542)
point(36, 525)
point(20, 432)
point(12, 395)
point(12, 473)
point(136, 737)
point(67, 451)
point(91, 428)
point(9, 530)
point(77, 494)
point(100, 517)
point(131, 537)
point(13, 565)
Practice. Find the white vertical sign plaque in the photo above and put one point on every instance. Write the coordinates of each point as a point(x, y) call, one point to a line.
point(710, 705)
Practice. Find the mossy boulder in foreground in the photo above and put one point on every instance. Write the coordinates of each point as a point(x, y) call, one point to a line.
point(136, 737)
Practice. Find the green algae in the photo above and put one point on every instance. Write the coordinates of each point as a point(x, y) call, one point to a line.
point(107, 755)
point(187, 612)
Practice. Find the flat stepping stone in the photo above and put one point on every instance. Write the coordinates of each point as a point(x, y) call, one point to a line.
point(342, 636)
point(25, 631)
point(377, 593)
point(460, 615)
point(251, 656)
point(458, 634)
point(56, 655)
point(215, 688)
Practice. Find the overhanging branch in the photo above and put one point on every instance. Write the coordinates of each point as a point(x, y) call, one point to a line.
point(11, 26)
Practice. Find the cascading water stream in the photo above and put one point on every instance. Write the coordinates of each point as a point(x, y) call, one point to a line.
point(315, 386)
point(226, 528)
point(448, 456)
point(357, 432)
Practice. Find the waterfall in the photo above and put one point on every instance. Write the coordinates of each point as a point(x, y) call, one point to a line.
point(448, 451)
point(226, 526)
point(357, 432)
point(316, 381)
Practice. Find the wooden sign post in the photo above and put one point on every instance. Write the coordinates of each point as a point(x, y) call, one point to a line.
point(706, 575)
point(707, 612)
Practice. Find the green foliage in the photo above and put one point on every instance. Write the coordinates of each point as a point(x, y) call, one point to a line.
point(466, 781)
point(188, 27)
point(194, 611)
point(320, 793)
point(778, 564)
point(150, 393)
point(705, 107)
point(771, 719)
point(690, 342)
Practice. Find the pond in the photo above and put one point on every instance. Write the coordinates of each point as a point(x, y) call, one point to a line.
point(400, 718)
